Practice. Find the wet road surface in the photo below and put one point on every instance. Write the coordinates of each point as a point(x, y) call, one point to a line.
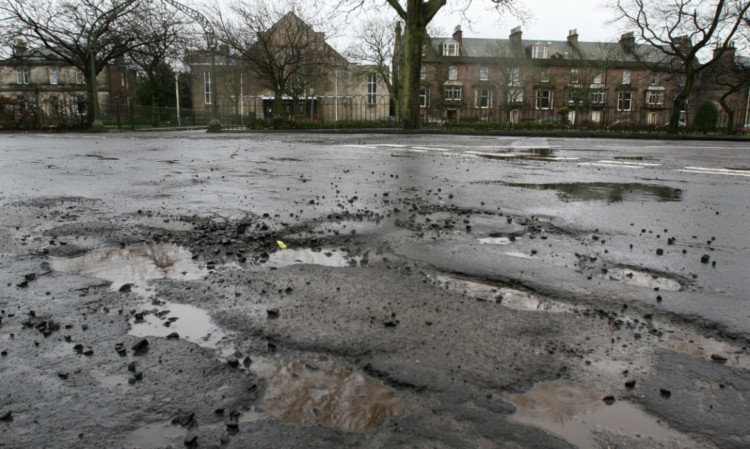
point(373, 290)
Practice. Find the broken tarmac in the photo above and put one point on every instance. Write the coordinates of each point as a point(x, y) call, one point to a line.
point(184, 290)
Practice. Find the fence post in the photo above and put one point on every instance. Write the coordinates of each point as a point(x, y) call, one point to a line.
point(117, 111)
point(131, 114)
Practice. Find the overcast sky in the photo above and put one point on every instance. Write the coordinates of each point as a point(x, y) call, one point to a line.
point(550, 20)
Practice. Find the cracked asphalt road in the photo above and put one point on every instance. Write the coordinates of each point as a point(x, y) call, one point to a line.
point(312, 290)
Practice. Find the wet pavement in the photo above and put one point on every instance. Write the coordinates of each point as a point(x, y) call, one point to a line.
point(299, 290)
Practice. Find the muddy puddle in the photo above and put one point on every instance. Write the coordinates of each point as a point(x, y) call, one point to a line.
point(318, 391)
point(190, 323)
point(325, 257)
point(155, 435)
point(608, 192)
point(132, 264)
point(702, 347)
point(508, 297)
point(645, 280)
point(575, 413)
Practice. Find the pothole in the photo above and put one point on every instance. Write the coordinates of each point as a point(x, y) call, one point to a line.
point(608, 192)
point(132, 264)
point(707, 348)
point(190, 323)
point(639, 279)
point(494, 241)
point(324, 257)
point(318, 391)
point(573, 412)
point(155, 435)
point(508, 297)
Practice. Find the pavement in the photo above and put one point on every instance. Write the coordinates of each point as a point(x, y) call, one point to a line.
point(179, 289)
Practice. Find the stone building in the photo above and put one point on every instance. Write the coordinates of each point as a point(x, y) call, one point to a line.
point(597, 84)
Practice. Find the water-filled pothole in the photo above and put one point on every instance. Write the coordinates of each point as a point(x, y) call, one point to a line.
point(318, 391)
point(155, 435)
point(640, 279)
point(508, 297)
point(132, 264)
point(574, 412)
point(324, 257)
point(706, 348)
point(606, 191)
point(190, 323)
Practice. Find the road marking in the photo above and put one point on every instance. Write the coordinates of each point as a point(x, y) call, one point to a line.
point(642, 164)
point(715, 171)
point(601, 164)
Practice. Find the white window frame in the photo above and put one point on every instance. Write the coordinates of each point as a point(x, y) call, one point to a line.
point(539, 52)
point(597, 78)
point(574, 76)
point(544, 99)
point(514, 116)
point(424, 97)
point(450, 49)
point(482, 98)
point(654, 97)
point(626, 77)
point(625, 101)
point(422, 72)
point(452, 73)
point(53, 76)
point(372, 88)
point(207, 91)
point(651, 118)
point(22, 75)
point(544, 76)
point(452, 93)
point(596, 116)
point(598, 96)
point(515, 95)
point(655, 79)
point(484, 73)
point(514, 75)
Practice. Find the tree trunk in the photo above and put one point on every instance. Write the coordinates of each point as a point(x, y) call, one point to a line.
point(154, 108)
point(414, 33)
point(680, 100)
point(730, 114)
point(277, 103)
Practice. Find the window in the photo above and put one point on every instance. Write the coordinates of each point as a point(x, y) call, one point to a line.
point(450, 49)
point(596, 116)
point(654, 97)
point(543, 99)
point(624, 101)
point(539, 52)
point(207, 87)
point(515, 95)
point(453, 93)
point(514, 75)
point(598, 78)
point(651, 118)
point(544, 76)
point(78, 76)
point(22, 75)
point(422, 72)
point(574, 76)
point(484, 73)
point(655, 79)
point(53, 75)
point(372, 88)
point(124, 79)
point(515, 116)
point(626, 77)
point(598, 96)
point(452, 73)
point(483, 98)
point(424, 97)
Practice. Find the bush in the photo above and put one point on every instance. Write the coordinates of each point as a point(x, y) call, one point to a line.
point(706, 117)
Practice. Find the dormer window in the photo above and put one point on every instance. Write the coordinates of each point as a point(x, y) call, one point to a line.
point(450, 49)
point(539, 52)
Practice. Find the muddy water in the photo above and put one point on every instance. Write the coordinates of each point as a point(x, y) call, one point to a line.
point(324, 257)
point(573, 412)
point(132, 264)
point(609, 192)
point(318, 391)
point(190, 323)
point(645, 280)
point(698, 346)
point(508, 297)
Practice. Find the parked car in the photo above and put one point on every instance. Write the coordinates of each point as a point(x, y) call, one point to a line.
point(744, 128)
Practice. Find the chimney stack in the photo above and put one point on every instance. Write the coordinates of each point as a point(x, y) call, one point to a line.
point(573, 38)
point(627, 41)
point(516, 44)
point(457, 34)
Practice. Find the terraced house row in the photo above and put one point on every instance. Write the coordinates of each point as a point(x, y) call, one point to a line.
point(601, 84)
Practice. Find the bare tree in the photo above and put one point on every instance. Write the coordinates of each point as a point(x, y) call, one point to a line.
point(683, 29)
point(374, 48)
point(278, 46)
point(417, 15)
point(731, 75)
point(166, 40)
point(87, 34)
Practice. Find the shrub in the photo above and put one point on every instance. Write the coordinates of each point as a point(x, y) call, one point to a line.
point(706, 117)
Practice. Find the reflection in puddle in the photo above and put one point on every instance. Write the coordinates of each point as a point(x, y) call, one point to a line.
point(609, 192)
point(646, 280)
point(697, 346)
point(155, 435)
point(190, 323)
point(324, 257)
point(572, 412)
point(132, 264)
point(494, 241)
point(508, 297)
point(318, 391)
